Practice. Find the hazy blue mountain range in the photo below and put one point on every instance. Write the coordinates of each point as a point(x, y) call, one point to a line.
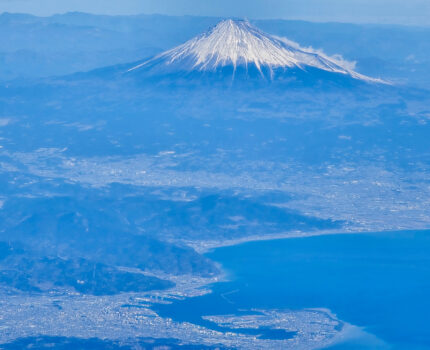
point(84, 42)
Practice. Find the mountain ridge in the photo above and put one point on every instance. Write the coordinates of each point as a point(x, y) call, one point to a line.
point(232, 45)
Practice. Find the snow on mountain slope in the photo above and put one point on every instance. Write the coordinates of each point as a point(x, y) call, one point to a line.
point(240, 44)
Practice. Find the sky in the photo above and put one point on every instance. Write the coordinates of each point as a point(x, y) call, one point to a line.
point(411, 12)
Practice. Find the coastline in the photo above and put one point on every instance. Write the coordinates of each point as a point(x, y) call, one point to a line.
point(204, 247)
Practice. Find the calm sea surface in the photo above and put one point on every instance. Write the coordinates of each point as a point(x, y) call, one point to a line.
point(378, 281)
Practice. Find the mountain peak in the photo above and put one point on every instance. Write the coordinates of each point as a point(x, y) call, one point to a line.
point(238, 43)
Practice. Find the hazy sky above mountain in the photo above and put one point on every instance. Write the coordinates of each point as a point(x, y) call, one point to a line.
point(380, 11)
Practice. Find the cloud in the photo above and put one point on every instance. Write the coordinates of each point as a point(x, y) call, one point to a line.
point(338, 59)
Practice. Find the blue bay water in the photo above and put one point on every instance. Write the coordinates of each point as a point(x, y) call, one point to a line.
point(378, 281)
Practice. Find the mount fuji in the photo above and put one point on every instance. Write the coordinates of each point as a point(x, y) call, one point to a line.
point(236, 48)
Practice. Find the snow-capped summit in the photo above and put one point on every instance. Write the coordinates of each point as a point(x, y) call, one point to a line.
point(237, 43)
